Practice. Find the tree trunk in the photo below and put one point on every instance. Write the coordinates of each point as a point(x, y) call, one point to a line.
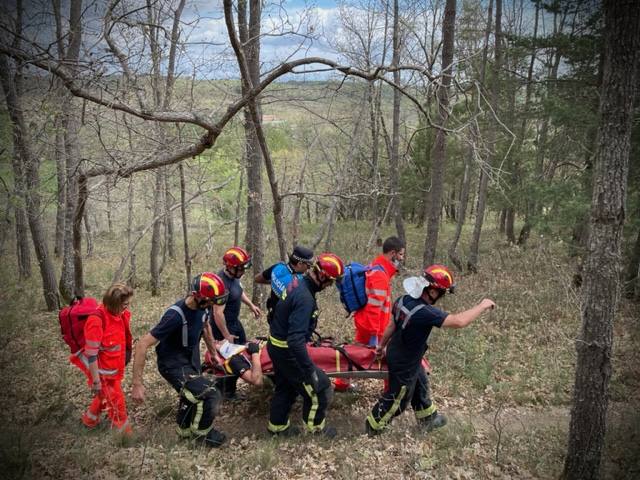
point(601, 287)
point(439, 151)
point(472, 261)
point(249, 63)
point(170, 241)
point(509, 222)
point(254, 238)
point(61, 198)
point(23, 252)
point(71, 127)
point(22, 149)
point(462, 210)
point(236, 223)
point(295, 218)
point(107, 186)
point(88, 230)
point(529, 204)
point(156, 241)
point(132, 280)
point(394, 160)
point(77, 236)
point(502, 220)
point(374, 120)
point(185, 230)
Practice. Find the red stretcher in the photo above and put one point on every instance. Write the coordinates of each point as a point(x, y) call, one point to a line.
point(337, 360)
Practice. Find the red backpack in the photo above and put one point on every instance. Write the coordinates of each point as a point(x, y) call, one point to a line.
point(72, 319)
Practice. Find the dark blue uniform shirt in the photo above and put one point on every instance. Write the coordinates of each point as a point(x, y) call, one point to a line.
point(409, 340)
point(170, 351)
point(295, 319)
point(232, 307)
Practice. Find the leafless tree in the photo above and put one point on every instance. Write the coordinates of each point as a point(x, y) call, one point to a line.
point(472, 261)
point(602, 286)
point(439, 151)
point(394, 159)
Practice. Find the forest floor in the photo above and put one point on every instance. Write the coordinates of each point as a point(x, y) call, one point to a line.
point(505, 384)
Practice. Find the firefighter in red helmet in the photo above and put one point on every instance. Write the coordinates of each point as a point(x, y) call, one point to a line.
point(294, 321)
point(227, 324)
point(405, 342)
point(177, 341)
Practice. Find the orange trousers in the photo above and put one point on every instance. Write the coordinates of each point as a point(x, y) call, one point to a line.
point(110, 400)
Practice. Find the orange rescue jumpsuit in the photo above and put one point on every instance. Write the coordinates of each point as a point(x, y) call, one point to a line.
point(109, 337)
point(372, 319)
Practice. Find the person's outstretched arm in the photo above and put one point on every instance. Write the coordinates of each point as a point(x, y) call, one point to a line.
point(462, 319)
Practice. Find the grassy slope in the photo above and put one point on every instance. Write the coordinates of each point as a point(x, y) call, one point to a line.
point(505, 383)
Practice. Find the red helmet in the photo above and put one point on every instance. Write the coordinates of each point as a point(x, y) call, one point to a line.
point(440, 277)
point(236, 257)
point(330, 265)
point(210, 286)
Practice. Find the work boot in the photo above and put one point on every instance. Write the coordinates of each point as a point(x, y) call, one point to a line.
point(433, 421)
point(291, 431)
point(213, 439)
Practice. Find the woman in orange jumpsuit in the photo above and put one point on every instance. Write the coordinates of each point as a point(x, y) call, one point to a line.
point(106, 352)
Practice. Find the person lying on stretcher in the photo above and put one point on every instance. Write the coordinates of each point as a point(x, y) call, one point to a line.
point(232, 360)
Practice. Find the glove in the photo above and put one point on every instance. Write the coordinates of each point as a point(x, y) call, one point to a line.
point(253, 347)
point(313, 381)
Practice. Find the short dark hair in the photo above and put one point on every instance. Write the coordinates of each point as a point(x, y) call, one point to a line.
point(115, 296)
point(392, 243)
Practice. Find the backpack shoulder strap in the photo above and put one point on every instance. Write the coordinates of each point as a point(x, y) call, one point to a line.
point(185, 330)
point(404, 314)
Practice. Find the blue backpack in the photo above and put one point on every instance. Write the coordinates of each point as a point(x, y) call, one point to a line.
point(283, 280)
point(352, 290)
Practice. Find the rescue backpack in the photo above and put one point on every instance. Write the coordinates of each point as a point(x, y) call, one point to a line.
point(283, 280)
point(352, 286)
point(72, 319)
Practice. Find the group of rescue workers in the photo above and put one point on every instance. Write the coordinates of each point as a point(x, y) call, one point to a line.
point(211, 311)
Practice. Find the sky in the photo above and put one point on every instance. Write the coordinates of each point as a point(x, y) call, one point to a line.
point(291, 29)
point(308, 26)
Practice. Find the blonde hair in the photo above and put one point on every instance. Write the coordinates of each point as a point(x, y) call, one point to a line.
point(115, 296)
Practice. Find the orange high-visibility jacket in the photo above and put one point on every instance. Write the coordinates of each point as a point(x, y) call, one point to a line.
point(109, 338)
point(374, 317)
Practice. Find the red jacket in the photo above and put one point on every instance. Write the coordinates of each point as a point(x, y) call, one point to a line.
point(109, 337)
point(374, 317)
